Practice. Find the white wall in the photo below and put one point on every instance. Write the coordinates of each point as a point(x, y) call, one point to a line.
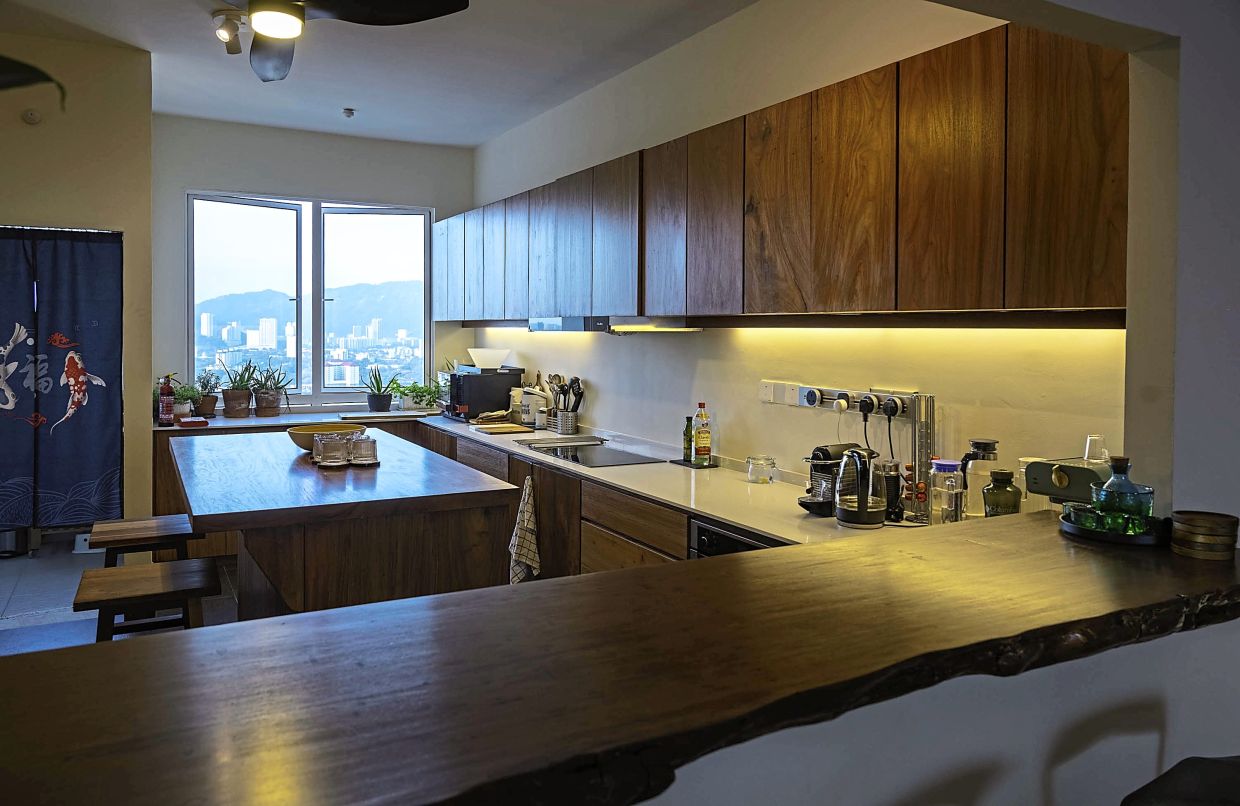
point(193, 154)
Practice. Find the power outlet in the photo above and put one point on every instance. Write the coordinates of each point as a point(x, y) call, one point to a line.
point(766, 391)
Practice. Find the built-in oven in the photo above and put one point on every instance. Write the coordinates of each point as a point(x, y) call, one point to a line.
point(710, 540)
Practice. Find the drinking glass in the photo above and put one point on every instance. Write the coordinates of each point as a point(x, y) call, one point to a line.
point(1096, 449)
point(364, 451)
point(333, 450)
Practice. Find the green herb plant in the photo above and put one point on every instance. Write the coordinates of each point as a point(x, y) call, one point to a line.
point(208, 382)
point(421, 394)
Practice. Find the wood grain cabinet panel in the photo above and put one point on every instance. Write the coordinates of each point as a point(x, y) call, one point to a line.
point(483, 458)
point(543, 300)
point(657, 526)
point(493, 268)
point(517, 257)
point(1067, 172)
point(616, 219)
point(854, 195)
point(604, 550)
point(664, 234)
point(715, 219)
point(951, 132)
point(475, 239)
point(439, 271)
point(778, 259)
point(454, 285)
point(558, 508)
point(573, 246)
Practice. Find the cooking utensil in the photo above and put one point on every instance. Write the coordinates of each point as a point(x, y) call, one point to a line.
point(578, 392)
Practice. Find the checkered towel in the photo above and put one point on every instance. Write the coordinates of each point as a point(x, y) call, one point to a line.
point(523, 547)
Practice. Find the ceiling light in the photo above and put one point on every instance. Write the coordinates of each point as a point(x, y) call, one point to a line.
point(226, 30)
point(277, 19)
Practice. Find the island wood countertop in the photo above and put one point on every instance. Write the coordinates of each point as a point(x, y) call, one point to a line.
point(241, 481)
point(582, 689)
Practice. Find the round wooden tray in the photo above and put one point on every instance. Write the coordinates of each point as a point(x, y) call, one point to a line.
point(1147, 540)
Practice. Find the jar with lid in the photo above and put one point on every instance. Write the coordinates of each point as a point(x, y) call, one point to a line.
point(1001, 496)
point(947, 489)
point(760, 469)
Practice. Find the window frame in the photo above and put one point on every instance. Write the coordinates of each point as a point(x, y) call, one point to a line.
point(319, 396)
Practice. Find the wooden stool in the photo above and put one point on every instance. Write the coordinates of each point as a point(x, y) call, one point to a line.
point(142, 534)
point(180, 584)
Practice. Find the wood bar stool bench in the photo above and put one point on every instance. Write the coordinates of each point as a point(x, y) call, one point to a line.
point(142, 534)
point(178, 584)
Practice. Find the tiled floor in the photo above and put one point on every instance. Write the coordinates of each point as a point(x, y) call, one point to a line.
point(36, 600)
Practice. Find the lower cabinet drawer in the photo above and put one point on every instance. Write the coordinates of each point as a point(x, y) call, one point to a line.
point(483, 458)
point(603, 550)
point(665, 529)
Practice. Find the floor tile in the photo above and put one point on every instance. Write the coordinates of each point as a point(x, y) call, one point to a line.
point(40, 617)
point(47, 636)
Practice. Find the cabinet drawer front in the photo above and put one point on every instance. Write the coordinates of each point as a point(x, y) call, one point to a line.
point(491, 461)
point(656, 526)
point(602, 550)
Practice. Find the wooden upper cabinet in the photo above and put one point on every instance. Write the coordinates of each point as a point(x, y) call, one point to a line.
point(439, 271)
point(454, 279)
point(542, 293)
point(616, 217)
point(493, 261)
point(475, 239)
point(1067, 172)
point(853, 177)
point(778, 259)
point(517, 256)
point(951, 154)
point(573, 247)
point(715, 237)
point(664, 175)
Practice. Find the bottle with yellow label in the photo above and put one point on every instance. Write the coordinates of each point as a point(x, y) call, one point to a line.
point(701, 437)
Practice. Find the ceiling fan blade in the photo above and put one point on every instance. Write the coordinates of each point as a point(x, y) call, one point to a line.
point(382, 12)
point(271, 58)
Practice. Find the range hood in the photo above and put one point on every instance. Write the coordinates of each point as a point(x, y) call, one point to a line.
point(616, 325)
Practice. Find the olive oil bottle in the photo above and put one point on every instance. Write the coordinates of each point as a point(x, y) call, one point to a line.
point(701, 437)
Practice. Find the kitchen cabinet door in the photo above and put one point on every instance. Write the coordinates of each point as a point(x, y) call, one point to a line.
point(715, 218)
point(778, 259)
point(1067, 172)
point(439, 271)
point(951, 163)
point(603, 550)
point(664, 177)
point(482, 458)
point(854, 195)
point(543, 300)
point(517, 257)
point(558, 504)
point(616, 219)
point(454, 285)
point(573, 246)
point(493, 268)
point(475, 238)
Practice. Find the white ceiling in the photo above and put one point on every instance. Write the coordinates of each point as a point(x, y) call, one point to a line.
point(458, 80)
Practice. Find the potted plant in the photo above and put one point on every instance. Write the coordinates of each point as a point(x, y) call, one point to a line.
point(184, 398)
point(270, 385)
point(208, 384)
point(379, 392)
point(237, 389)
point(418, 396)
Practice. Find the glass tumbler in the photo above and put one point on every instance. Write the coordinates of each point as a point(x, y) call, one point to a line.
point(332, 450)
point(364, 451)
point(760, 469)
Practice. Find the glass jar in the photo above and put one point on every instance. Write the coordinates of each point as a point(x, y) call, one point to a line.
point(760, 468)
point(947, 489)
point(1001, 496)
point(332, 450)
point(363, 450)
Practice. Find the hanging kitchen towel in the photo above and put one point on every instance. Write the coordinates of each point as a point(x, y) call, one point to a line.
point(523, 547)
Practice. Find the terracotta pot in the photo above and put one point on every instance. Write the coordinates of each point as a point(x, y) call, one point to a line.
point(379, 402)
point(237, 403)
point(206, 405)
point(267, 402)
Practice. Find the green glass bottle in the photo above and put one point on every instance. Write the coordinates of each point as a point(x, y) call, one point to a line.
point(687, 454)
point(1001, 496)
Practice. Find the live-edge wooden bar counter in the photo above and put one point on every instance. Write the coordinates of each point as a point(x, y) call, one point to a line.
point(315, 538)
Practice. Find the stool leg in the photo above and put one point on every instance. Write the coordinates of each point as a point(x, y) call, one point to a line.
point(107, 620)
point(182, 550)
point(110, 556)
point(193, 613)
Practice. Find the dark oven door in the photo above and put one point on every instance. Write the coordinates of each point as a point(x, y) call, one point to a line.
point(708, 540)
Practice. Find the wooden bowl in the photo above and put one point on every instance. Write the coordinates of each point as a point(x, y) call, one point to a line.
point(303, 435)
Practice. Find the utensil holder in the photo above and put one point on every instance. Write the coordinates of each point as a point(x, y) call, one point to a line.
point(563, 423)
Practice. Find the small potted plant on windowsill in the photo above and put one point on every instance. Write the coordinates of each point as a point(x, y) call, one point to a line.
point(208, 384)
point(237, 390)
point(270, 385)
point(379, 392)
point(184, 398)
point(420, 397)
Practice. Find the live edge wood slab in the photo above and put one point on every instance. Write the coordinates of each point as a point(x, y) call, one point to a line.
point(582, 689)
point(316, 538)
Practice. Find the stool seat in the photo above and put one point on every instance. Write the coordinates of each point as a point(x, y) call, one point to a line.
point(181, 583)
point(142, 534)
point(1193, 782)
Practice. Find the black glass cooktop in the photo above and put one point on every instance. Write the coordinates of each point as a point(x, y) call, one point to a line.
point(595, 455)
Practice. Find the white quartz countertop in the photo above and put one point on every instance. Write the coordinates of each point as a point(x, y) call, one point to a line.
point(718, 494)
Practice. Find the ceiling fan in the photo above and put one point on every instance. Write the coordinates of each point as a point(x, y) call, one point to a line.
point(277, 24)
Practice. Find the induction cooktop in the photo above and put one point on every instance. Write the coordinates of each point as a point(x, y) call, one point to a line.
point(594, 455)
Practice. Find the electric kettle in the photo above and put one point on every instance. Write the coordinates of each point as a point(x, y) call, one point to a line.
point(860, 494)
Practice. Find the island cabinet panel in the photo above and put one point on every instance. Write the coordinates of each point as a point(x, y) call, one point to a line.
point(652, 524)
point(543, 300)
point(454, 287)
point(573, 247)
point(778, 239)
point(167, 499)
point(517, 257)
point(854, 195)
point(439, 271)
point(951, 163)
point(493, 267)
point(715, 220)
point(483, 458)
point(604, 550)
point(475, 239)
point(664, 207)
point(1067, 172)
point(616, 267)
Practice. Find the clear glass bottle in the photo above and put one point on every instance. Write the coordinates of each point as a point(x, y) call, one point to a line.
point(1001, 496)
point(687, 440)
point(701, 437)
point(947, 489)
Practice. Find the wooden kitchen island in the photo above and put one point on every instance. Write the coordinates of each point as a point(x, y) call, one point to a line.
point(313, 539)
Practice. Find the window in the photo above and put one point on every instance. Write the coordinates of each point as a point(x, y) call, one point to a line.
point(324, 291)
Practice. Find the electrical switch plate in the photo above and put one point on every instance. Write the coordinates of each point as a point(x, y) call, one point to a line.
point(792, 394)
point(766, 391)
